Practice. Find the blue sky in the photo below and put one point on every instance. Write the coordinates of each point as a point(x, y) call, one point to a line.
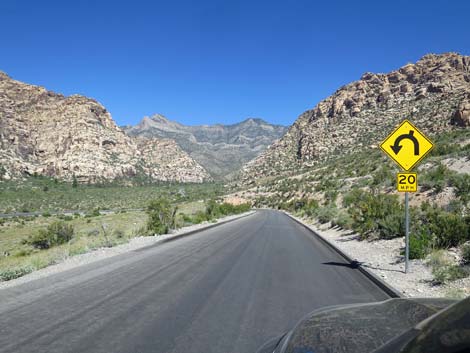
point(204, 62)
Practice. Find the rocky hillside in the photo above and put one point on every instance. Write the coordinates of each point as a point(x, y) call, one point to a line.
point(221, 149)
point(434, 93)
point(42, 132)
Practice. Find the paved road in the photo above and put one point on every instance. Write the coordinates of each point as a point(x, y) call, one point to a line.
point(224, 290)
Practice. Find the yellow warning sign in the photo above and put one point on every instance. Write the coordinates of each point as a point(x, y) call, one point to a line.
point(406, 145)
point(407, 182)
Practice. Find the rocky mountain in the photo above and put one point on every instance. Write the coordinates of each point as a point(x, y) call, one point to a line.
point(434, 93)
point(42, 132)
point(221, 149)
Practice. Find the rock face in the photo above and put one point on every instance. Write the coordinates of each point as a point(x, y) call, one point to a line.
point(434, 93)
point(46, 133)
point(221, 149)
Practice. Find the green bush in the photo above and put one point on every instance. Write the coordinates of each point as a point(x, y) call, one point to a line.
point(462, 184)
point(436, 178)
point(383, 176)
point(55, 234)
point(215, 210)
point(161, 216)
point(12, 273)
point(311, 207)
point(466, 254)
point(448, 273)
point(449, 229)
point(343, 220)
point(118, 233)
point(352, 197)
point(420, 245)
point(199, 217)
point(93, 213)
point(443, 268)
point(326, 214)
point(442, 149)
point(376, 214)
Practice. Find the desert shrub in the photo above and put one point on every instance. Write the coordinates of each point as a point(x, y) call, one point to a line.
point(55, 234)
point(438, 258)
point(436, 178)
point(352, 197)
point(215, 210)
point(466, 254)
point(420, 244)
point(161, 216)
point(311, 207)
point(378, 214)
point(23, 252)
point(187, 218)
point(383, 176)
point(448, 228)
point(462, 184)
point(442, 149)
point(16, 272)
point(327, 183)
point(392, 225)
point(443, 268)
point(455, 206)
point(65, 217)
point(343, 220)
point(118, 233)
point(449, 273)
point(199, 217)
point(93, 213)
point(326, 214)
point(331, 196)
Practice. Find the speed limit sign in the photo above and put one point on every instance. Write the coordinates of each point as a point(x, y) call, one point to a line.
point(407, 182)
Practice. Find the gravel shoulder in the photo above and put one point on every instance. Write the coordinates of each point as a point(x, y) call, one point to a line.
point(103, 253)
point(382, 257)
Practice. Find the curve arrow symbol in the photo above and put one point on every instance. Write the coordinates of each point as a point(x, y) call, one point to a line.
point(396, 147)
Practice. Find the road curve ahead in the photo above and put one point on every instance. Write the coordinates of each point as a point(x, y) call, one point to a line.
point(224, 290)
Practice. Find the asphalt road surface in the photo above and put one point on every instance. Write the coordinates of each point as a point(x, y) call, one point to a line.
point(224, 290)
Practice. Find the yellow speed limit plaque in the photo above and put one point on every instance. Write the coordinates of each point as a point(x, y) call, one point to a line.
point(407, 182)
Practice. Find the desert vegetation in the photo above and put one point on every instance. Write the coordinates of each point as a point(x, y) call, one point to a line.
point(43, 194)
point(163, 216)
point(29, 243)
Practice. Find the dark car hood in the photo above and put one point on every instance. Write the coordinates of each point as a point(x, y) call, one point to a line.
point(358, 328)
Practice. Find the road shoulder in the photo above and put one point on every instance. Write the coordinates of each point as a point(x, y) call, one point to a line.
point(134, 244)
point(382, 258)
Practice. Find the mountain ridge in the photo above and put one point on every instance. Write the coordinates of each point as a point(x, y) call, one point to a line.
point(47, 133)
point(220, 148)
point(434, 93)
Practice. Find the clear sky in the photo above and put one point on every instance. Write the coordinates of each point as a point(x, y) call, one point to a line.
point(207, 61)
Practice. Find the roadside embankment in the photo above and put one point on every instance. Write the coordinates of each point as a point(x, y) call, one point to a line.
point(383, 258)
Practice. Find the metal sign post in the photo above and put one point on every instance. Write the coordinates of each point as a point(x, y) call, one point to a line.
point(407, 234)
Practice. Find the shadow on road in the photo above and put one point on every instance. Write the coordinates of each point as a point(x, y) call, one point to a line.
point(353, 264)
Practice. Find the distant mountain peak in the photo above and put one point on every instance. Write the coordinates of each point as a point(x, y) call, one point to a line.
point(220, 149)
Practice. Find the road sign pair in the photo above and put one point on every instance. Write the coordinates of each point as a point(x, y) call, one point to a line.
point(407, 146)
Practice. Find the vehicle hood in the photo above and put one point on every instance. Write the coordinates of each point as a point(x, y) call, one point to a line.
point(357, 328)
